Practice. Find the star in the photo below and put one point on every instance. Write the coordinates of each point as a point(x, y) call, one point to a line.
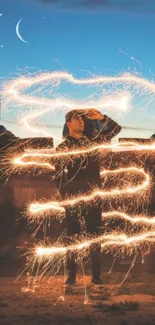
point(2, 46)
point(44, 18)
point(1, 14)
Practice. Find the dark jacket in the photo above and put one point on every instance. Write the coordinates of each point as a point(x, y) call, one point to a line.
point(105, 129)
point(80, 173)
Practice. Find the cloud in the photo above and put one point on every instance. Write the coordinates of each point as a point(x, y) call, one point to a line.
point(131, 6)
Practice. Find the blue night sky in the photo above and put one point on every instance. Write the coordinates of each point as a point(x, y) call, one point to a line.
point(100, 37)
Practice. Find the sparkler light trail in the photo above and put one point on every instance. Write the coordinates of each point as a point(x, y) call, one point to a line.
point(125, 146)
point(42, 207)
point(114, 240)
point(14, 91)
point(130, 57)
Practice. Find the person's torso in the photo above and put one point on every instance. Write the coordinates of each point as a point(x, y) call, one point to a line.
point(84, 167)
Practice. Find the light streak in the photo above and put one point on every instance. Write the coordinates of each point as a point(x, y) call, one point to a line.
point(130, 57)
point(21, 161)
point(106, 240)
point(14, 91)
point(143, 220)
point(113, 239)
point(18, 161)
point(15, 88)
point(36, 208)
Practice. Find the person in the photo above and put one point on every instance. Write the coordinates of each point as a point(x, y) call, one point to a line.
point(97, 127)
point(81, 176)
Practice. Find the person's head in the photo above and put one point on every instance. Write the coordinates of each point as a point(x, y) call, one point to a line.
point(74, 122)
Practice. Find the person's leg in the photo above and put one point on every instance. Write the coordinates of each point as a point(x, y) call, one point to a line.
point(73, 228)
point(96, 258)
point(93, 220)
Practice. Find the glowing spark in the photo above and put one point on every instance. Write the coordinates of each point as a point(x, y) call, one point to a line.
point(130, 57)
point(115, 240)
point(18, 161)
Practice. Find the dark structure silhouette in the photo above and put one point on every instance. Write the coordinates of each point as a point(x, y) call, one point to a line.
point(18, 188)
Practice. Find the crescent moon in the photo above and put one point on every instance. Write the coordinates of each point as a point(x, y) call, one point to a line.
point(18, 33)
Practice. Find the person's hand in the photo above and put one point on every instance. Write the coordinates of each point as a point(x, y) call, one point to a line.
point(93, 114)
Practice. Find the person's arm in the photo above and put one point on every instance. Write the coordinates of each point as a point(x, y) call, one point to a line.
point(110, 128)
point(99, 127)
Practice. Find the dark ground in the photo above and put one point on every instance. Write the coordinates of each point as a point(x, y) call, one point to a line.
point(132, 304)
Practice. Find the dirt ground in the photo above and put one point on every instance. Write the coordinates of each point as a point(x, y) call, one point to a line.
point(50, 304)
